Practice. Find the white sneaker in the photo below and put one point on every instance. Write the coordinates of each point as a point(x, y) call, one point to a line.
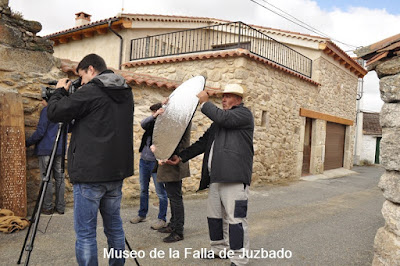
point(158, 224)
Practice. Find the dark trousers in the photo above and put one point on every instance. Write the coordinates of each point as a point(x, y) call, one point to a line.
point(174, 193)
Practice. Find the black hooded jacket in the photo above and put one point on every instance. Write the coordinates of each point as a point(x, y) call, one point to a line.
point(232, 134)
point(101, 146)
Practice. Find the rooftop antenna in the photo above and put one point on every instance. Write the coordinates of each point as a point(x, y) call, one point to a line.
point(122, 8)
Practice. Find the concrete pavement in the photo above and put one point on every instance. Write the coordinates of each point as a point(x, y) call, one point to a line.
point(330, 220)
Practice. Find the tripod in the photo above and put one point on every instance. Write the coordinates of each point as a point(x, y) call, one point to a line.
point(34, 221)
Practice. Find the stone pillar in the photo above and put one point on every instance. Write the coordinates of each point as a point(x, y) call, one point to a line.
point(12, 154)
point(318, 137)
point(387, 239)
point(348, 151)
point(300, 154)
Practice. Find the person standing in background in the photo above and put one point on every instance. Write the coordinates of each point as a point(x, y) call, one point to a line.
point(146, 165)
point(43, 139)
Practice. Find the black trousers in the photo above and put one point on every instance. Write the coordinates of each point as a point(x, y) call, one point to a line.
point(174, 193)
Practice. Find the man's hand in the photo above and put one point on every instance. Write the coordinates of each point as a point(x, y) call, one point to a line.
point(203, 97)
point(64, 83)
point(153, 148)
point(174, 160)
point(159, 112)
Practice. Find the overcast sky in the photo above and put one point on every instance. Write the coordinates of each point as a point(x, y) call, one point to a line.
point(349, 23)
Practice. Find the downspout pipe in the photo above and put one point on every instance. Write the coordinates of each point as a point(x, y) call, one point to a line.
point(121, 43)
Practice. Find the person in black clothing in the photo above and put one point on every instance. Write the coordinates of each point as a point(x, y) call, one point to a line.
point(100, 153)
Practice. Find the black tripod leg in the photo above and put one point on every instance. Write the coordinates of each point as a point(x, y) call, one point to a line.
point(130, 249)
point(31, 221)
point(38, 207)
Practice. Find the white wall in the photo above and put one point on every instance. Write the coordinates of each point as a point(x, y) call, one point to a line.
point(368, 148)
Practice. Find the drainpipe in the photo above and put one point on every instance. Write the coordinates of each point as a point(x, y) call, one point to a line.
point(121, 43)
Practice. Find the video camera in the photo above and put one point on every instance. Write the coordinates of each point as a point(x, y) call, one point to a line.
point(47, 92)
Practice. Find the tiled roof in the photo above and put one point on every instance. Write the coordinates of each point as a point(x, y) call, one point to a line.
point(290, 34)
point(216, 54)
point(344, 59)
point(169, 18)
point(126, 20)
point(371, 125)
point(174, 18)
point(137, 17)
point(132, 79)
point(367, 51)
point(380, 50)
point(93, 24)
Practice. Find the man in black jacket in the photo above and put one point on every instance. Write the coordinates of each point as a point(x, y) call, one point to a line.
point(100, 153)
point(227, 167)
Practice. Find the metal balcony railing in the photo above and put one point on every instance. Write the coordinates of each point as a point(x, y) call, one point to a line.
point(220, 37)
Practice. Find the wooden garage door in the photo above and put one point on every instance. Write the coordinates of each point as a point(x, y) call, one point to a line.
point(334, 145)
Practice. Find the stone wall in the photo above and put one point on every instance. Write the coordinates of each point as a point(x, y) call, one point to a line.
point(27, 64)
point(20, 48)
point(387, 239)
point(275, 99)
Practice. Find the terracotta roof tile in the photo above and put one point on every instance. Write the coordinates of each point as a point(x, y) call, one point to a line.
point(99, 22)
point(171, 18)
point(216, 54)
point(175, 18)
point(369, 51)
point(339, 55)
point(371, 125)
point(132, 79)
point(390, 47)
point(376, 58)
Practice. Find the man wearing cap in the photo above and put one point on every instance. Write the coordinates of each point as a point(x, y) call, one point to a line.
point(227, 167)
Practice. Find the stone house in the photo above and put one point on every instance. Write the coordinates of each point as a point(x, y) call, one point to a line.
point(301, 88)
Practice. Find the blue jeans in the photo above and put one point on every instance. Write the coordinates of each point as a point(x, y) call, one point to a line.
point(88, 199)
point(145, 173)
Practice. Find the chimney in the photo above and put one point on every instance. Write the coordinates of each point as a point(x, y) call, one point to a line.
point(81, 19)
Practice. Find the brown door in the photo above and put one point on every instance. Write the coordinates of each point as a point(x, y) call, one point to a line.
point(334, 145)
point(307, 147)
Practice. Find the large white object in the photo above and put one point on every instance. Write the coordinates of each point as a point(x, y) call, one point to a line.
point(179, 110)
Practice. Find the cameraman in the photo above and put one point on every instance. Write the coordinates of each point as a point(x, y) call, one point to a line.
point(44, 138)
point(100, 153)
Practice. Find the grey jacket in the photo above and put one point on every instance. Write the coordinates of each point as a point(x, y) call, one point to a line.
point(232, 133)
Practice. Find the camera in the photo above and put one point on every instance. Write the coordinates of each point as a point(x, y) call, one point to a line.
point(47, 92)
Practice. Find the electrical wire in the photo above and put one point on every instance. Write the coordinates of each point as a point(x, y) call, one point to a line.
point(299, 22)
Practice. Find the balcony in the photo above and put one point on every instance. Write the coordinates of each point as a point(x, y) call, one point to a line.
point(221, 37)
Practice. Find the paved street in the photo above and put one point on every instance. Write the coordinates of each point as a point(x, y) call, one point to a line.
point(321, 222)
